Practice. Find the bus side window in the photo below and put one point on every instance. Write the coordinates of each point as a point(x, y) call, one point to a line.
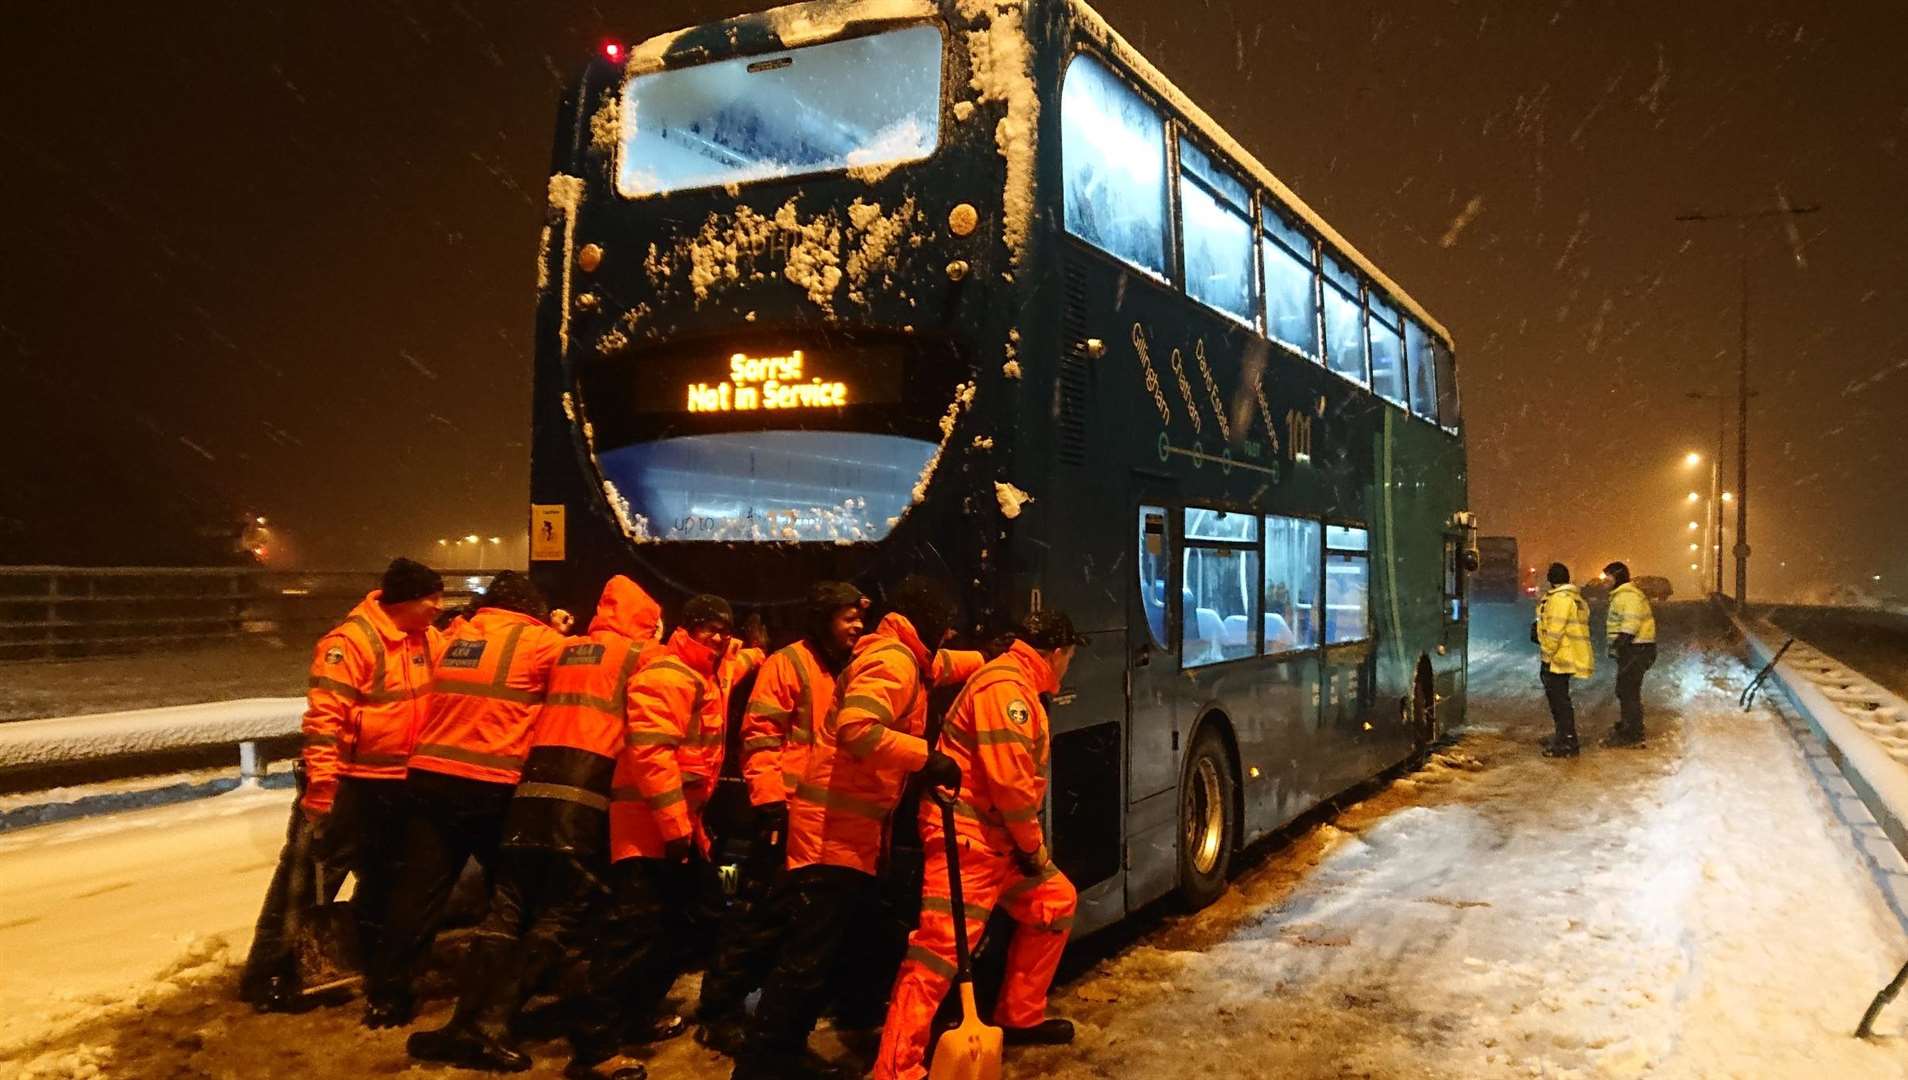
point(1447, 386)
point(1344, 322)
point(1424, 392)
point(1154, 569)
point(1113, 151)
point(1347, 584)
point(1291, 584)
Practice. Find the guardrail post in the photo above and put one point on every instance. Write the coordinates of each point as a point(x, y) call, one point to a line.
point(248, 764)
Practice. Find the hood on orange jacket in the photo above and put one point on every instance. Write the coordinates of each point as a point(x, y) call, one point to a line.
point(627, 610)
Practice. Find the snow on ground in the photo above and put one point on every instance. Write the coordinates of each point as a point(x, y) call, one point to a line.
point(1701, 908)
point(68, 739)
point(253, 666)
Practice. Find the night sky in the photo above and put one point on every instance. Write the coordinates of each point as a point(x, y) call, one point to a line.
point(279, 258)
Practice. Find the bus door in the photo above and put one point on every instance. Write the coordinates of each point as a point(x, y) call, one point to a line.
point(1350, 654)
point(1152, 682)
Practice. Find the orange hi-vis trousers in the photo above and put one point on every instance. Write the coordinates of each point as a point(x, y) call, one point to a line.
point(1042, 909)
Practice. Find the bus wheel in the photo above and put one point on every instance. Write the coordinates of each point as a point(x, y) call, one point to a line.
point(1206, 820)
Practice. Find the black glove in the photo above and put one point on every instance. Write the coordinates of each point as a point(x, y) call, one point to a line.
point(771, 819)
point(941, 771)
point(678, 850)
point(1031, 863)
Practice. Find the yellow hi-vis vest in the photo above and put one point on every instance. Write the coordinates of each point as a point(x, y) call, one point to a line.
point(1563, 632)
point(1630, 614)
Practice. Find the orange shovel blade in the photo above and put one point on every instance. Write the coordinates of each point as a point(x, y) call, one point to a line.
point(970, 1051)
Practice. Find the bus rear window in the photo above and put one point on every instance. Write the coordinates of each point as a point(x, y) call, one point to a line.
point(868, 101)
point(768, 486)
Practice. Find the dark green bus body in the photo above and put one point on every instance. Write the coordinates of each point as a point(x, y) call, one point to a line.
point(1077, 427)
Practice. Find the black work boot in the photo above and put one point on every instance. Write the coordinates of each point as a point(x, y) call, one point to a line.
point(1625, 738)
point(725, 1036)
point(1561, 748)
point(615, 1067)
point(467, 1046)
point(1053, 1031)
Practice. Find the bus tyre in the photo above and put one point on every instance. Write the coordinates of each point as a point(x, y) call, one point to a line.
point(1207, 820)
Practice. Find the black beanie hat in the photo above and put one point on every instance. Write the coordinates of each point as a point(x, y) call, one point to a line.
point(929, 604)
point(1049, 630)
point(511, 591)
point(406, 580)
point(825, 598)
point(1617, 572)
point(1559, 574)
point(706, 608)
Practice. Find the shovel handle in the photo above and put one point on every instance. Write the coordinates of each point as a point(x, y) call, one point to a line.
point(957, 909)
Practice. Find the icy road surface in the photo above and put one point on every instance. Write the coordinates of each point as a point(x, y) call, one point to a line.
point(1702, 908)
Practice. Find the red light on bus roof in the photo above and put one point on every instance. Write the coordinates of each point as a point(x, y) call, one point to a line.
point(613, 50)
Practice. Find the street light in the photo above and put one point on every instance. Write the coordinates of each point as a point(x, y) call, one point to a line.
point(1693, 526)
point(1693, 497)
point(1695, 547)
point(1728, 497)
point(1788, 211)
point(1692, 459)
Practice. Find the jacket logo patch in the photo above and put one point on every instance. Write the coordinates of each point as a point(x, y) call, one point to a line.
point(589, 655)
point(418, 658)
point(334, 655)
point(464, 654)
point(1017, 712)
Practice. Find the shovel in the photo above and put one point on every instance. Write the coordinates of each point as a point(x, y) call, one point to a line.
point(970, 1051)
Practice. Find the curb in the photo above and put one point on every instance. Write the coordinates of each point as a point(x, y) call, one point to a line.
point(1853, 717)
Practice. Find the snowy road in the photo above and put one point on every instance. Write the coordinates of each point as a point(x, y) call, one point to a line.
point(1700, 908)
point(94, 910)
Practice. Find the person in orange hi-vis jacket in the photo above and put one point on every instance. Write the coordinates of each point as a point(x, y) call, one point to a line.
point(488, 685)
point(793, 692)
point(839, 802)
point(668, 766)
point(368, 693)
point(997, 732)
point(556, 833)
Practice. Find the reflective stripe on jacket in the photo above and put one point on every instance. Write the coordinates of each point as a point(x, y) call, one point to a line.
point(1630, 614)
point(367, 696)
point(852, 774)
point(1563, 632)
point(793, 690)
point(672, 752)
point(997, 732)
point(488, 685)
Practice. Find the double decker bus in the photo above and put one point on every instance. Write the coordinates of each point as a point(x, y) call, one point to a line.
point(859, 289)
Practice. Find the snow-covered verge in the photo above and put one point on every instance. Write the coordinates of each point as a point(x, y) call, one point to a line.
point(251, 666)
point(143, 731)
point(1703, 908)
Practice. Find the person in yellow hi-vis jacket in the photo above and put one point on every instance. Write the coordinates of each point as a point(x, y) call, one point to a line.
point(1631, 628)
point(1563, 637)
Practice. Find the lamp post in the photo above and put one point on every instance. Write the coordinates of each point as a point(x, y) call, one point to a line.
point(1742, 220)
point(1713, 542)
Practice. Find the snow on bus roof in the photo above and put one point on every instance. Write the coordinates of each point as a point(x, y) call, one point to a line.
point(818, 20)
point(796, 25)
point(1156, 81)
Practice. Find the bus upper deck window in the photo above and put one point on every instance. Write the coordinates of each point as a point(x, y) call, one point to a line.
point(1113, 149)
point(1424, 395)
point(1291, 285)
point(1447, 386)
point(1217, 209)
point(1344, 323)
point(822, 108)
point(1387, 350)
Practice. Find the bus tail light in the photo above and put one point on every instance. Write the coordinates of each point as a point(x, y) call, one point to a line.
point(613, 50)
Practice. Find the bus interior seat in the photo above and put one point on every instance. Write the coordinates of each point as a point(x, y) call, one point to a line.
point(1211, 633)
point(1278, 633)
point(1235, 631)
